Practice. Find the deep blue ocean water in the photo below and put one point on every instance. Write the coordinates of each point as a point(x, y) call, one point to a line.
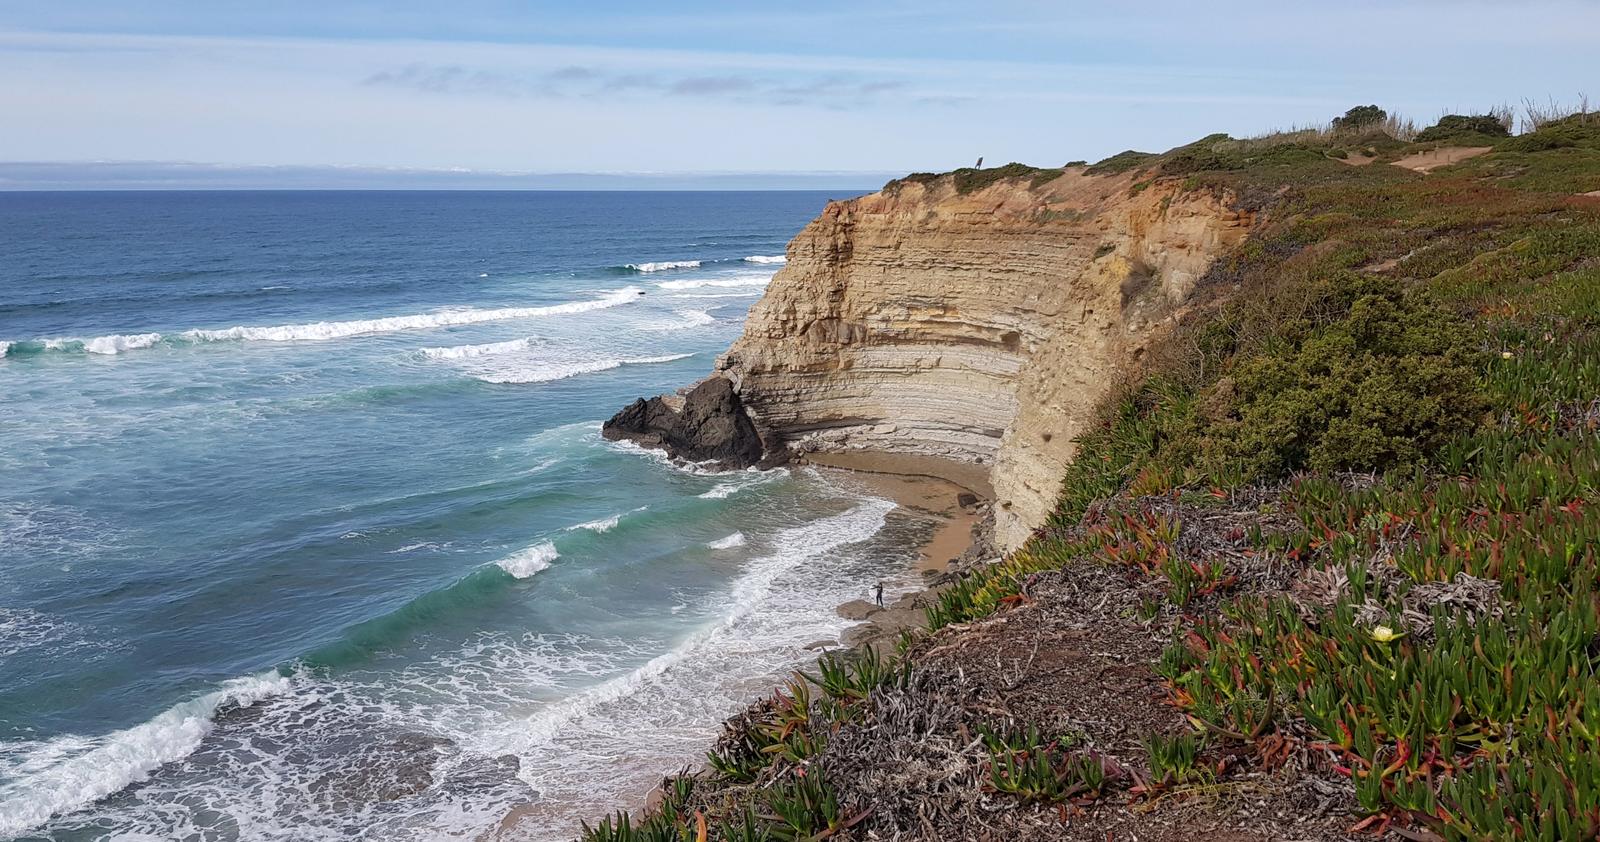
point(307, 531)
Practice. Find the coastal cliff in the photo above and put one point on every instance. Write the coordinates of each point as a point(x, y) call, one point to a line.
point(980, 325)
point(1359, 446)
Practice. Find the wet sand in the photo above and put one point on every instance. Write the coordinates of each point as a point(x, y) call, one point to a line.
point(923, 484)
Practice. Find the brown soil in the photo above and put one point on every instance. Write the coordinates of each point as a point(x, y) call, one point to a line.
point(1431, 160)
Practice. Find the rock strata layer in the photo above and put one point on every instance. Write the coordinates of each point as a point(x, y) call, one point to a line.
point(710, 426)
point(981, 327)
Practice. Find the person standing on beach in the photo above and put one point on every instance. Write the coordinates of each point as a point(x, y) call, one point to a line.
point(877, 594)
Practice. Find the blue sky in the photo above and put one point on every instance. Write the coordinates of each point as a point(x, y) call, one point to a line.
point(483, 87)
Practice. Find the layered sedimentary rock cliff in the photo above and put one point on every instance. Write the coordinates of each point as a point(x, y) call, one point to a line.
point(981, 326)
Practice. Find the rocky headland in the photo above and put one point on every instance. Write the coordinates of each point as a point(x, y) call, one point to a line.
point(979, 326)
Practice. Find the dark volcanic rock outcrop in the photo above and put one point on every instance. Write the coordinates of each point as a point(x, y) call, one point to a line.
point(712, 426)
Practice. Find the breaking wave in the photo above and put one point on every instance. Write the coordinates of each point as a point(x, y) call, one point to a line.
point(462, 352)
point(766, 259)
point(662, 711)
point(316, 331)
point(69, 772)
point(543, 371)
point(529, 561)
point(663, 266)
point(743, 281)
point(605, 524)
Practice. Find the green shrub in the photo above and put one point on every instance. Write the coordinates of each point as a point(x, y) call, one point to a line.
point(1360, 117)
point(1122, 162)
point(968, 179)
point(1383, 379)
point(1579, 130)
point(1464, 127)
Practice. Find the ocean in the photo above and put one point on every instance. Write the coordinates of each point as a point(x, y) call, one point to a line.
point(307, 530)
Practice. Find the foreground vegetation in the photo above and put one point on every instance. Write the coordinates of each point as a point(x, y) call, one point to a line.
point(1358, 497)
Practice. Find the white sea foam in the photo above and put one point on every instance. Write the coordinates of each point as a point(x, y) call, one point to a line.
point(541, 371)
point(420, 545)
point(605, 524)
point(664, 265)
point(525, 563)
point(316, 331)
point(5, 348)
point(25, 628)
point(692, 295)
point(462, 352)
point(69, 772)
point(390, 324)
point(728, 543)
point(605, 742)
point(722, 491)
point(686, 319)
point(762, 258)
point(697, 318)
point(737, 281)
point(120, 343)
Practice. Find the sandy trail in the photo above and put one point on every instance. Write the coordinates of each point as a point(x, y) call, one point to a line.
point(1426, 162)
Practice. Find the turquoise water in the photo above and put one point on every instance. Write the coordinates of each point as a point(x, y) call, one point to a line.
point(307, 532)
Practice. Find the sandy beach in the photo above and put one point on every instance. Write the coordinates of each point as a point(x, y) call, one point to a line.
point(922, 484)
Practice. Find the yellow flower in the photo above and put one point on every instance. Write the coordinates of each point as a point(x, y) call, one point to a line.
point(1384, 634)
point(1505, 355)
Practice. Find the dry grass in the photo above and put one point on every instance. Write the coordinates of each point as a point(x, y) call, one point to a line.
point(1536, 115)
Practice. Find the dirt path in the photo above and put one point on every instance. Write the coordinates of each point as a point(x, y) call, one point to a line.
point(1425, 162)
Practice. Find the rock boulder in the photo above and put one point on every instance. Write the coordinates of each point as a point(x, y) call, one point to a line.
point(711, 426)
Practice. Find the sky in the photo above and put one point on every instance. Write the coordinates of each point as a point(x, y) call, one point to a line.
point(820, 93)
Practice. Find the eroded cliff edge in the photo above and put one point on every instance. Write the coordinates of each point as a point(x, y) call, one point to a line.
point(981, 326)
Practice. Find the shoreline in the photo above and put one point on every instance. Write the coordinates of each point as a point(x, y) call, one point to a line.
point(956, 494)
point(915, 486)
point(937, 489)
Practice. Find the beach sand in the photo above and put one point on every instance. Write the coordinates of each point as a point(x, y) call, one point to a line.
point(922, 484)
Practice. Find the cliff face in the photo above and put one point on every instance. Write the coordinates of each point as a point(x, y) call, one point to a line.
point(981, 327)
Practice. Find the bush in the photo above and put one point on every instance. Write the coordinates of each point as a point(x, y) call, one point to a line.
point(1122, 162)
point(1371, 378)
point(1464, 127)
point(1360, 117)
point(1578, 130)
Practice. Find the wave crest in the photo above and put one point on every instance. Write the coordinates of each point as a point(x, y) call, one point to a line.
point(316, 331)
point(69, 772)
point(663, 266)
point(527, 562)
point(745, 281)
point(463, 352)
point(767, 258)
